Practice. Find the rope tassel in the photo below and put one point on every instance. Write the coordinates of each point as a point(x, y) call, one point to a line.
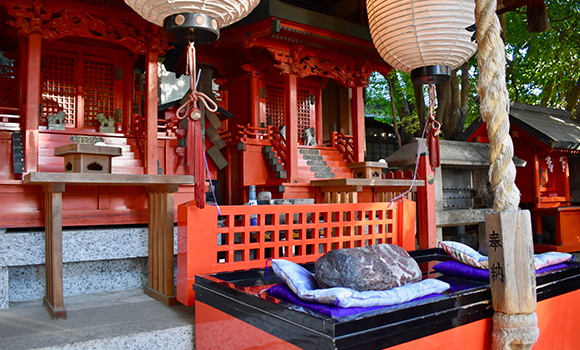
point(190, 110)
point(434, 130)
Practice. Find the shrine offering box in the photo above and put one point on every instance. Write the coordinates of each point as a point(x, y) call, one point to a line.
point(82, 158)
point(233, 310)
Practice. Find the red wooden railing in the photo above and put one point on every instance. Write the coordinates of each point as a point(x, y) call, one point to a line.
point(166, 128)
point(139, 128)
point(278, 143)
point(252, 134)
point(208, 243)
point(268, 136)
point(9, 119)
point(344, 145)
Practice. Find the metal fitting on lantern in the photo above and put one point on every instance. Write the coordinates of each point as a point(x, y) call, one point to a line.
point(431, 74)
point(183, 28)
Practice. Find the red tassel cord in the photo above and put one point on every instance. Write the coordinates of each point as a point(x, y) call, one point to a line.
point(194, 141)
point(434, 130)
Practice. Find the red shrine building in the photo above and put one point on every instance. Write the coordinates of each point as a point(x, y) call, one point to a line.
point(80, 72)
point(548, 141)
point(85, 141)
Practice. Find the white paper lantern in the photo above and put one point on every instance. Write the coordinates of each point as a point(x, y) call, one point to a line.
point(203, 16)
point(413, 34)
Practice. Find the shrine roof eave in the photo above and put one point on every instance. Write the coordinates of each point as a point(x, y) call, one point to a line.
point(549, 128)
point(552, 127)
point(292, 37)
point(284, 11)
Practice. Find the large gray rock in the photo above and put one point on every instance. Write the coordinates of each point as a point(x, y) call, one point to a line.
point(376, 267)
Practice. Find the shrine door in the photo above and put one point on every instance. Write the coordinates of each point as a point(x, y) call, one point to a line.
point(82, 86)
point(274, 106)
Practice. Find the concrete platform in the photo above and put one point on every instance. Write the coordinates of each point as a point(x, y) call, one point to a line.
point(112, 320)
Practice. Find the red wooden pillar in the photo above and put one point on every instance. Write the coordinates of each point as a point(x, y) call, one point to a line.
point(151, 112)
point(358, 123)
point(319, 125)
point(255, 97)
point(128, 98)
point(291, 128)
point(427, 227)
point(566, 179)
point(33, 99)
point(536, 178)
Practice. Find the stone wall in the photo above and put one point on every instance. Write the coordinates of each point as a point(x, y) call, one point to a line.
point(94, 260)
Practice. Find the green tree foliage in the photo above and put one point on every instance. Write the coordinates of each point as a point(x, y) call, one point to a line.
point(544, 68)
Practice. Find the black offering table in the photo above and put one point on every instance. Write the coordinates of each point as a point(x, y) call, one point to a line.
point(233, 310)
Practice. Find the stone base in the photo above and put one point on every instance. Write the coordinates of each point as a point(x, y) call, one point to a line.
point(94, 261)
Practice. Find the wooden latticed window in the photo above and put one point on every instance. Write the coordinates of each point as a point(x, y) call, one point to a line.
point(82, 84)
point(305, 110)
point(98, 90)
point(8, 83)
point(275, 101)
point(59, 88)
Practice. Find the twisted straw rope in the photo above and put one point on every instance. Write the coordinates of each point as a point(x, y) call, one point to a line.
point(519, 330)
point(495, 106)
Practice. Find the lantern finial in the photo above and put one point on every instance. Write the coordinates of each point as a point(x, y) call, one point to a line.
point(183, 28)
point(431, 74)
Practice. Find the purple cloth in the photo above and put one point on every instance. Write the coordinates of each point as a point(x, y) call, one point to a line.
point(282, 292)
point(457, 269)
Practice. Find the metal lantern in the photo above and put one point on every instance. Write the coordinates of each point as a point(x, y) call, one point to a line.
point(185, 21)
point(427, 38)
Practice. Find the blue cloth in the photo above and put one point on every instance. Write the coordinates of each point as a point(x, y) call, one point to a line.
point(304, 285)
point(457, 269)
point(283, 292)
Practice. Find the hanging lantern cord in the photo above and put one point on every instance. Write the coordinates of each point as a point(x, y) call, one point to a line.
point(191, 111)
point(434, 130)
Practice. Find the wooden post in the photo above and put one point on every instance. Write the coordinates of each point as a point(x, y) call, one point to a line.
point(426, 211)
point(33, 99)
point(358, 124)
point(512, 279)
point(161, 265)
point(151, 112)
point(291, 128)
point(53, 301)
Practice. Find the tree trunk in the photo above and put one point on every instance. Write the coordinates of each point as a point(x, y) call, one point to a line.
point(547, 94)
point(464, 105)
point(420, 103)
point(574, 100)
point(393, 107)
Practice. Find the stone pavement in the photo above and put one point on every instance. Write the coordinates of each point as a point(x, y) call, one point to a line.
point(114, 320)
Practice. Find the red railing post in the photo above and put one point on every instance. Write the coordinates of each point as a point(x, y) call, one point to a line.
point(407, 215)
point(427, 226)
point(196, 242)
